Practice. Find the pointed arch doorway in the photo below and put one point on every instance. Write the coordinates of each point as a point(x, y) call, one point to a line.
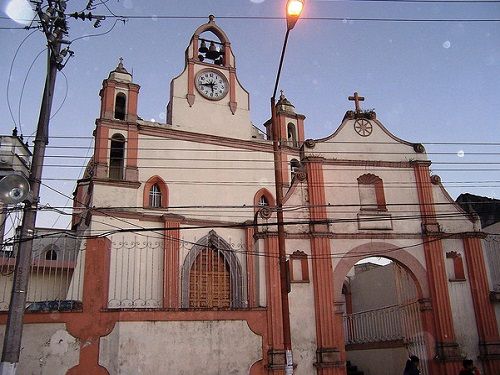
point(212, 275)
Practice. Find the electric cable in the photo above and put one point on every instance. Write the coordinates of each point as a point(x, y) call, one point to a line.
point(24, 85)
point(9, 78)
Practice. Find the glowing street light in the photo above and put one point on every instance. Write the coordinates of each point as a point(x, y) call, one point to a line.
point(293, 11)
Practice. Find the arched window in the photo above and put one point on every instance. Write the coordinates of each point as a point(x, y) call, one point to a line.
point(263, 198)
point(51, 252)
point(51, 255)
point(116, 157)
point(292, 135)
point(120, 102)
point(371, 193)
point(155, 196)
point(211, 276)
point(294, 166)
point(155, 193)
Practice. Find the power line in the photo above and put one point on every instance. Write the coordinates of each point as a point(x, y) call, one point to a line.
point(323, 18)
point(161, 139)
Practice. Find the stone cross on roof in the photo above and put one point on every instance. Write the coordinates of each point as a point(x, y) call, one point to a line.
point(357, 99)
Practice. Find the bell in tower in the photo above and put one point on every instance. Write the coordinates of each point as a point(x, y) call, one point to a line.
point(207, 97)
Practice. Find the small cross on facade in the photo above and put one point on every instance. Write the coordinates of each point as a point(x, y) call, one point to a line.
point(357, 99)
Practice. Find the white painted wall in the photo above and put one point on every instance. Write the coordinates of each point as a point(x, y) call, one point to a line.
point(181, 348)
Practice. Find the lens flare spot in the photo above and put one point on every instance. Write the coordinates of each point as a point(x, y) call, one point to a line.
point(20, 11)
point(446, 44)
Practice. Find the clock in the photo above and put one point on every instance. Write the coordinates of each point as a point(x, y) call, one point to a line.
point(211, 84)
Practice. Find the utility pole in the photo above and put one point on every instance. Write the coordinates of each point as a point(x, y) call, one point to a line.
point(54, 25)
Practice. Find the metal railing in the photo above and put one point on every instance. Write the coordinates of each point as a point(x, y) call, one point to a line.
point(136, 274)
point(384, 324)
point(54, 281)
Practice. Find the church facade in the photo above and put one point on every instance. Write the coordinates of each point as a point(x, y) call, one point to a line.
point(181, 269)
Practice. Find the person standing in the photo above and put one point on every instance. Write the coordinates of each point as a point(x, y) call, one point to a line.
point(468, 368)
point(412, 366)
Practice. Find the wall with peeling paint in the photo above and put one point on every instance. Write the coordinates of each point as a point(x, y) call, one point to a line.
point(46, 349)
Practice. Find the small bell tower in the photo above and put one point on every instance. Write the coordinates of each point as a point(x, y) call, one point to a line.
point(119, 95)
point(290, 136)
point(291, 124)
point(207, 97)
point(116, 134)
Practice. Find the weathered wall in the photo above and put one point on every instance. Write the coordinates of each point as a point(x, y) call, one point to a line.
point(46, 349)
point(185, 348)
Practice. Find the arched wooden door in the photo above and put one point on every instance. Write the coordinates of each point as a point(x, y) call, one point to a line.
point(209, 281)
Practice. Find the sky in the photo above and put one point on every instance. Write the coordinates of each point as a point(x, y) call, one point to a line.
point(433, 82)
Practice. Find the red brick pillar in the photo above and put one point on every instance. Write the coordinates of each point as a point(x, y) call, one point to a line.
point(330, 352)
point(251, 262)
point(92, 323)
point(171, 246)
point(487, 328)
point(276, 348)
point(447, 350)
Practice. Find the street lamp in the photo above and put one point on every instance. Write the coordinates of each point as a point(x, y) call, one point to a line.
point(293, 11)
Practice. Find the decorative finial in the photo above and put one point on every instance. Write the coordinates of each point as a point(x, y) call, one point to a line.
point(211, 18)
point(282, 96)
point(120, 68)
point(14, 132)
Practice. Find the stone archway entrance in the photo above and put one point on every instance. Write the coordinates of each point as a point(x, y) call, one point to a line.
point(383, 320)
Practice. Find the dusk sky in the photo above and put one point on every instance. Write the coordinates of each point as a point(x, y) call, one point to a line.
point(433, 82)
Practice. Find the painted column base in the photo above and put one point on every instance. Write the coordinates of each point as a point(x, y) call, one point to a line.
point(276, 360)
point(328, 357)
point(489, 354)
point(449, 358)
point(489, 350)
point(448, 352)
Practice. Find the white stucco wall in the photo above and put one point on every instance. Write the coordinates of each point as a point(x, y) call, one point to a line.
point(46, 349)
point(185, 348)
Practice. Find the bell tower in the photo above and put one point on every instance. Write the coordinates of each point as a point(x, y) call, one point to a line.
point(119, 95)
point(291, 124)
point(116, 133)
point(207, 97)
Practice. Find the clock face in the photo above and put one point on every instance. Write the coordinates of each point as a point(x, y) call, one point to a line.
point(211, 84)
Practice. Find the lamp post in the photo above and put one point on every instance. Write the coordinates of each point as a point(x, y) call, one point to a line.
point(293, 11)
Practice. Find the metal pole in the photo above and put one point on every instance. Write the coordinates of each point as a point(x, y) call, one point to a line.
point(278, 177)
point(14, 327)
